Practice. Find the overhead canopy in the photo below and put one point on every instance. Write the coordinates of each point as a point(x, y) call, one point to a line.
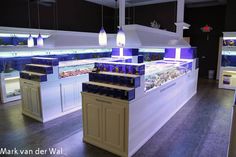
point(147, 37)
point(67, 39)
point(137, 36)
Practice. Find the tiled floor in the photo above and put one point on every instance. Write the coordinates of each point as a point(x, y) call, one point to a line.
point(199, 129)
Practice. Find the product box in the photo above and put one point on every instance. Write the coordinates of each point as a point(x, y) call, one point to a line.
point(39, 69)
point(38, 78)
point(45, 61)
point(107, 91)
point(116, 80)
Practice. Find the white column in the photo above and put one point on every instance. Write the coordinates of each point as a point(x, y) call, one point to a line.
point(180, 18)
point(121, 12)
point(180, 11)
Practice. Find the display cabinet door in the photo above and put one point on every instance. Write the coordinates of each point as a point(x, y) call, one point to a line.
point(26, 101)
point(35, 101)
point(70, 96)
point(114, 125)
point(92, 119)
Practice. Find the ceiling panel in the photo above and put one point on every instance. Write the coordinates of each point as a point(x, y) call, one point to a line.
point(129, 3)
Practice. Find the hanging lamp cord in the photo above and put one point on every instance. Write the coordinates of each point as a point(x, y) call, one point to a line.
point(38, 16)
point(29, 13)
point(116, 14)
point(134, 15)
point(102, 14)
point(56, 15)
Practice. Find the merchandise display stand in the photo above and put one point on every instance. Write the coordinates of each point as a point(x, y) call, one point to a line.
point(115, 105)
point(51, 89)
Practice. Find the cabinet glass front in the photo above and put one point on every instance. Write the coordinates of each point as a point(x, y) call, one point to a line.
point(12, 86)
point(160, 72)
point(76, 70)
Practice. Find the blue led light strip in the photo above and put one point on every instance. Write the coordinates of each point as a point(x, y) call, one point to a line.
point(152, 50)
point(51, 52)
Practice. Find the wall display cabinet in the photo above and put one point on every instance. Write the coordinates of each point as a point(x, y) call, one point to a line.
point(10, 86)
point(227, 73)
point(115, 102)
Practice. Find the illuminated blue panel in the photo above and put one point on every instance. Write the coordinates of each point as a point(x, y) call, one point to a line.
point(152, 50)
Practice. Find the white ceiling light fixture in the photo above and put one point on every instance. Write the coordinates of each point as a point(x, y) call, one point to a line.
point(120, 38)
point(30, 41)
point(102, 37)
point(39, 39)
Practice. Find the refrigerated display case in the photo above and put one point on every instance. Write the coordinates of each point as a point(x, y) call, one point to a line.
point(79, 67)
point(10, 86)
point(161, 72)
point(75, 70)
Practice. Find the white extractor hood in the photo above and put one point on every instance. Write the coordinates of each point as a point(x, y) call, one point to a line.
point(68, 39)
point(147, 37)
point(137, 36)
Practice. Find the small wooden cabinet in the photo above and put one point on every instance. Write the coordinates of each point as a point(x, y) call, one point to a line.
point(31, 99)
point(92, 119)
point(104, 122)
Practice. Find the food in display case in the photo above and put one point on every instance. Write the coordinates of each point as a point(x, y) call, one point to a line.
point(75, 70)
point(80, 67)
point(158, 73)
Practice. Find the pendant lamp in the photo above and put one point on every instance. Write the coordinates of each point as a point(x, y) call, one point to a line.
point(102, 36)
point(40, 41)
point(30, 41)
point(120, 38)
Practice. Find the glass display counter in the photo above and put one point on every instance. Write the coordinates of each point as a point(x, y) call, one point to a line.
point(79, 67)
point(61, 80)
point(76, 70)
point(161, 72)
point(126, 95)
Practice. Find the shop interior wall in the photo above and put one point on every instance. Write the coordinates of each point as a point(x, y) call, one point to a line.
point(207, 43)
point(80, 15)
point(71, 15)
point(230, 22)
point(163, 13)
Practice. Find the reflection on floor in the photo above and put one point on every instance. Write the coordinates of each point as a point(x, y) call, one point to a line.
point(199, 129)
